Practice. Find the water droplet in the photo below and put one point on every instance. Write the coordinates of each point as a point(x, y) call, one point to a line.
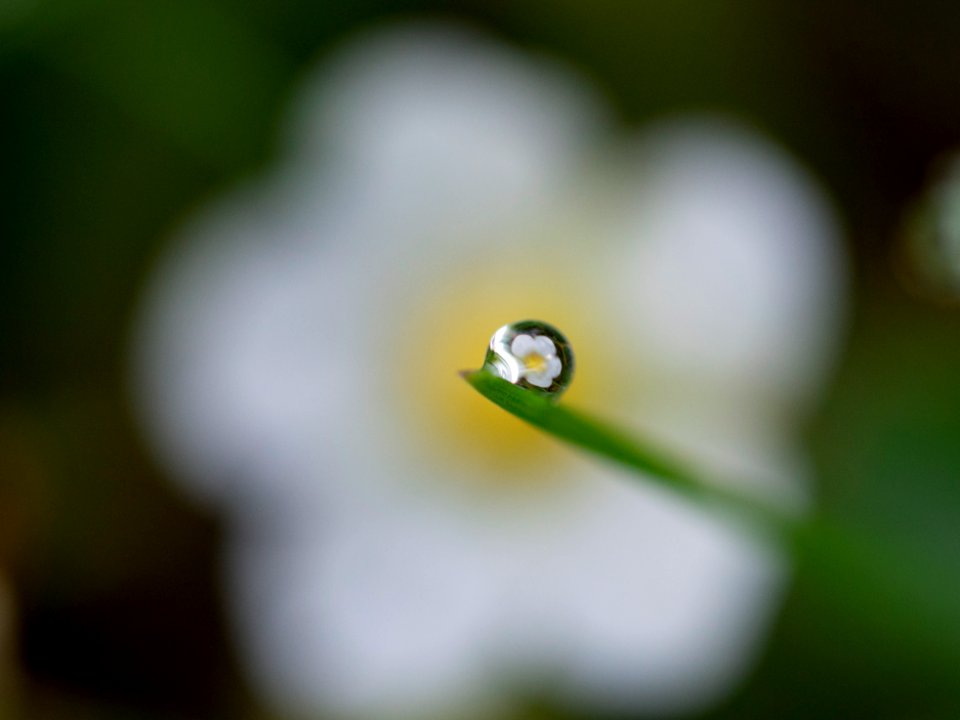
point(531, 354)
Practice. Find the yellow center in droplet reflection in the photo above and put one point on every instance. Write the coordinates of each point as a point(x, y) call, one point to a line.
point(535, 363)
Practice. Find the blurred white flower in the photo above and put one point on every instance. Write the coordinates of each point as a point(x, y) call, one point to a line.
point(401, 548)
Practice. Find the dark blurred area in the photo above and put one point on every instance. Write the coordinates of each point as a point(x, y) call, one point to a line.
point(119, 119)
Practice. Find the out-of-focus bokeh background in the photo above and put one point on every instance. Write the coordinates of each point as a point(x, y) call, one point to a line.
point(121, 120)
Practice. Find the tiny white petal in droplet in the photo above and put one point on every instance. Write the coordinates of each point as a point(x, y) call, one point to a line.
point(523, 345)
point(545, 346)
point(539, 379)
point(554, 366)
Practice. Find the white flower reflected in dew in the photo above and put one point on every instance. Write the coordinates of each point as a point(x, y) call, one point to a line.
point(531, 353)
point(540, 364)
point(399, 546)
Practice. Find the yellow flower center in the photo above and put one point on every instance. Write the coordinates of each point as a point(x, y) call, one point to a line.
point(457, 428)
point(535, 362)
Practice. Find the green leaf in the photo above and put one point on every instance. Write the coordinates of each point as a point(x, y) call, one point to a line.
point(905, 605)
point(615, 445)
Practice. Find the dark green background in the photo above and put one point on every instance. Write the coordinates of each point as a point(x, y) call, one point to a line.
point(117, 119)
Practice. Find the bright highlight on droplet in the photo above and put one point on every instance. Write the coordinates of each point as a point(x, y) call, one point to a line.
point(531, 354)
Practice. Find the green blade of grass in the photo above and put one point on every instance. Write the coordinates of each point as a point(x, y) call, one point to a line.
point(903, 604)
point(615, 445)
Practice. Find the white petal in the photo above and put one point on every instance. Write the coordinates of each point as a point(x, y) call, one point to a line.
point(554, 366)
point(215, 380)
point(431, 120)
point(539, 379)
point(728, 268)
point(544, 346)
point(642, 600)
point(385, 620)
point(522, 346)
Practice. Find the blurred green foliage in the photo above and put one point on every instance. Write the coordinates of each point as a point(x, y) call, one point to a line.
point(118, 118)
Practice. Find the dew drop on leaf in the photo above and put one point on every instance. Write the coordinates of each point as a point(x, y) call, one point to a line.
point(533, 355)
